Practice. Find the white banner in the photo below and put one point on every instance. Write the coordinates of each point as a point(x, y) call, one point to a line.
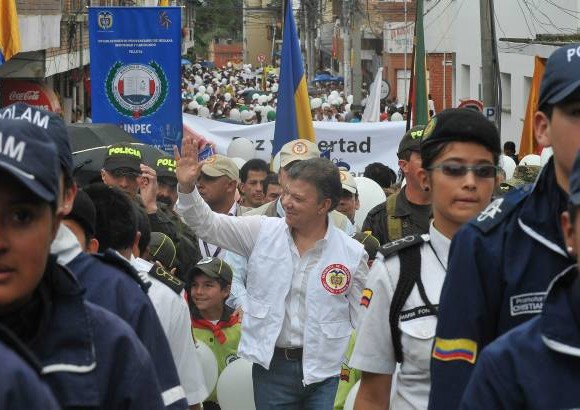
point(355, 144)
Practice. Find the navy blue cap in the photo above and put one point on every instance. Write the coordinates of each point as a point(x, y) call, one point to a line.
point(30, 155)
point(51, 122)
point(561, 75)
point(574, 198)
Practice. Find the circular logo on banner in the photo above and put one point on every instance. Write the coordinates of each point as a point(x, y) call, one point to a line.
point(300, 148)
point(335, 278)
point(136, 90)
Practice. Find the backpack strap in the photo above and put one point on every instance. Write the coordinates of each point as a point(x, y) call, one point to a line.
point(394, 224)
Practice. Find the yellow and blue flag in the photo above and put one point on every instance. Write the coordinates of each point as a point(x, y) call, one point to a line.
point(9, 33)
point(293, 117)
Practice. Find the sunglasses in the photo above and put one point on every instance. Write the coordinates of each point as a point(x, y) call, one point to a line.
point(460, 170)
point(124, 172)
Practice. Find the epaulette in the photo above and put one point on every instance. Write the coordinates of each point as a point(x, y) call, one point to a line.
point(111, 258)
point(174, 283)
point(391, 248)
point(497, 211)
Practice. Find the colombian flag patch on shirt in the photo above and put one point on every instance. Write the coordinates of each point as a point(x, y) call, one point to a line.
point(455, 349)
point(367, 295)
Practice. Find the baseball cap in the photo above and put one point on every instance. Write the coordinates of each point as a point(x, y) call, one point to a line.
point(84, 213)
point(219, 165)
point(30, 156)
point(215, 268)
point(347, 181)
point(51, 122)
point(370, 243)
point(411, 141)
point(524, 174)
point(298, 150)
point(165, 166)
point(459, 124)
point(123, 155)
point(162, 249)
point(561, 75)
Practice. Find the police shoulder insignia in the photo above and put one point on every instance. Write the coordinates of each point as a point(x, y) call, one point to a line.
point(392, 248)
point(174, 283)
point(448, 350)
point(499, 210)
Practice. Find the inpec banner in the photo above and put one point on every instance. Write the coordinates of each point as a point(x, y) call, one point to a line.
point(136, 71)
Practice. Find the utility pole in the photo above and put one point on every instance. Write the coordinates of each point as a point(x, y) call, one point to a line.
point(488, 61)
point(356, 63)
point(346, 25)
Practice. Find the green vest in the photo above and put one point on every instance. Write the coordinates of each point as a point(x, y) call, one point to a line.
point(348, 376)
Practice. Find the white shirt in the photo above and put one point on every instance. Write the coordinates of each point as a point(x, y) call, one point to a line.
point(208, 249)
point(374, 352)
point(174, 316)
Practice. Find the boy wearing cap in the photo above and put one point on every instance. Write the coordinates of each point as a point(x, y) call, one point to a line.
point(537, 363)
point(408, 211)
point(83, 349)
point(214, 323)
point(349, 202)
point(502, 262)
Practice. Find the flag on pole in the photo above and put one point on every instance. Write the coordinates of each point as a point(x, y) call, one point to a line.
point(293, 117)
point(528, 143)
point(372, 110)
point(418, 89)
point(9, 33)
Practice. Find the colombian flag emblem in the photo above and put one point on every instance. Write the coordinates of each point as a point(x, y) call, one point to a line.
point(367, 295)
point(455, 349)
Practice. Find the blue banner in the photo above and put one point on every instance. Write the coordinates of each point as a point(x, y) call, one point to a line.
point(136, 71)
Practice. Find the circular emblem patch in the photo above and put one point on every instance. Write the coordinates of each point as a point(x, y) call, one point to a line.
point(335, 278)
point(429, 128)
point(210, 160)
point(300, 148)
point(136, 90)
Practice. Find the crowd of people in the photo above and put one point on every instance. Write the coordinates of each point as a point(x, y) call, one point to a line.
point(239, 94)
point(454, 293)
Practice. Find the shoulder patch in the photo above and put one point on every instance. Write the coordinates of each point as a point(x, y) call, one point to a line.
point(174, 283)
point(111, 258)
point(394, 247)
point(497, 211)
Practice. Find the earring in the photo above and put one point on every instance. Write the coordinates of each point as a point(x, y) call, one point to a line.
point(570, 250)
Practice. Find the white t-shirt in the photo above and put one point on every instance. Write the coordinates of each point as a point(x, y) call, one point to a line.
point(374, 352)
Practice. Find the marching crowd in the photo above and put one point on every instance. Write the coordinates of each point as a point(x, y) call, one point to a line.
point(453, 294)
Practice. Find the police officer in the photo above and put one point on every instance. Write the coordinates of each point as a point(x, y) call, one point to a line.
point(537, 363)
point(460, 151)
point(408, 211)
point(89, 357)
point(502, 262)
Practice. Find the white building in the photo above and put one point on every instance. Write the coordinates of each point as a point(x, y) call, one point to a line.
point(515, 19)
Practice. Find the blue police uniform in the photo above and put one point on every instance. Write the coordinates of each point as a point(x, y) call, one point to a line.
point(117, 292)
point(537, 364)
point(500, 266)
point(21, 387)
point(90, 358)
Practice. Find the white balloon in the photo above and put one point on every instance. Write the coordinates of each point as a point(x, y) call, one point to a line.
point(349, 401)
point(227, 96)
point(325, 106)
point(338, 101)
point(239, 162)
point(334, 93)
point(331, 100)
point(202, 89)
point(210, 90)
point(349, 99)
point(255, 96)
point(547, 152)
point(235, 390)
point(203, 112)
point(247, 117)
point(508, 165)
point(316, 103)
point(274, 88)
point(370, 194)
point(347, 108)
point(205, 97)
point(241, 148)
point(262, 99)
point(235, 115)
point(208, 364)
point(531, 159)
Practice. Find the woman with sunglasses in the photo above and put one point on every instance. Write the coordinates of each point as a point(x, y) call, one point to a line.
point(460, 151)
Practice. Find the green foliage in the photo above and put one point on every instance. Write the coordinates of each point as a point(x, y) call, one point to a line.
point(217, 19)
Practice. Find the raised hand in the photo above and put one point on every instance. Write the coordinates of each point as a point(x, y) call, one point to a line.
point(188, 167)
point(148, 188)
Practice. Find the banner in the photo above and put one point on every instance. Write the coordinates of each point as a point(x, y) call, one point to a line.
point(353, 144)
point(136, 71)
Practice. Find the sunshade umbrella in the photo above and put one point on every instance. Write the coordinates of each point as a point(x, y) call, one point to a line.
point(85, 136)
point(89, 162)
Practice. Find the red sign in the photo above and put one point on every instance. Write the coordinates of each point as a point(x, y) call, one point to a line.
point(471, 103)
point(28, 92)
point(261, 58)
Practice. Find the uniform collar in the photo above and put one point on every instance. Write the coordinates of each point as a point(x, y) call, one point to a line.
point(540, 214)
point(66, 245)
point(440, 244)
point(560, 317)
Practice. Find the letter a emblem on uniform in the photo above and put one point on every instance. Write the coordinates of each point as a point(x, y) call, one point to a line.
point(491, 210)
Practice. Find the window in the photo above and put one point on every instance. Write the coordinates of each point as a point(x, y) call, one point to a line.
point(465, 81)
point(506, 92)
point(403, 84)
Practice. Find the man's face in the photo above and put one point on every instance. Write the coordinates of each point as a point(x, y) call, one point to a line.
point(166, 192)
point(562, 133)
point(27, 228)
point(348, 204)
point(215, 190)
point(253, 189)
point(410, 169)
point(274, 191)
point(127, 180)
point(301, 203)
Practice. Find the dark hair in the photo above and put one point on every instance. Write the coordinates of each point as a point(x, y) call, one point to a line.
point(321, 173)
point(255, 164)
point(271, 179)
point(572, 210)
point(381, 174)
point(196, 272)
point(143, 227)
point(116, 223)
point(429, 153)
point(509, 145)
